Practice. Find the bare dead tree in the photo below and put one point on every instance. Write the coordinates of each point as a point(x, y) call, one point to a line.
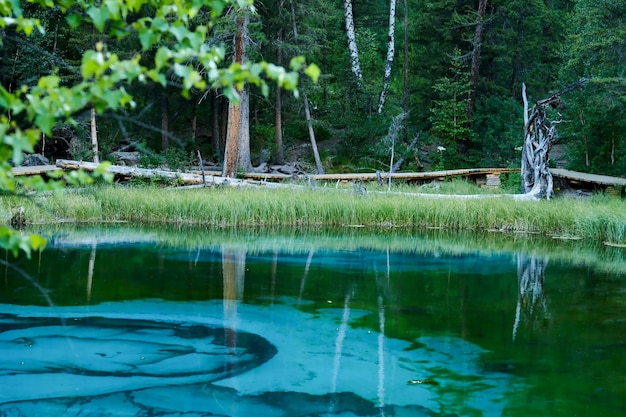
point(305, 102)
point(539, 136)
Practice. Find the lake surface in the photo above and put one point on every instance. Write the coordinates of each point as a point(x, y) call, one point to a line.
point(187, 322)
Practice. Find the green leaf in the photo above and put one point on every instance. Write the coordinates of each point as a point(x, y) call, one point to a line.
point(74, 20)
point(37, 242)
point(162, 57)
point(45, 122)
point(179, 31)
point(147, 38)
point(291, 81)
point(296, 63)
point(313, 71)
point(99, 17)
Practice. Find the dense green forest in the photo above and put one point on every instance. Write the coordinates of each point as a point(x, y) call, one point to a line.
point(448, 72)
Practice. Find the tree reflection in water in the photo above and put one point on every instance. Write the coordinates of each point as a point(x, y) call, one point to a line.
point(532, 303)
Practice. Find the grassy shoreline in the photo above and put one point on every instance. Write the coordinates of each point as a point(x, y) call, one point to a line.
point(600, 217)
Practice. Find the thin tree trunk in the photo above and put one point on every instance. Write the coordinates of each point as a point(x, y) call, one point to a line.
point(216, 132)
point(390, 55)
point(278, 105)
point(164, 121)
point(309, 120)
point(477, 44)
point(278, 123)
point(406, 68)
point(355, 63)
point(244, 161)
point(94, 136)
point(305, 100)
point(584, 136)
point(194, 121)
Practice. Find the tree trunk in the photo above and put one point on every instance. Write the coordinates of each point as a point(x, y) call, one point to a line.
point(233, 131)
point(278, 105)
point(405, 98)
point(539, 136)
point(278, 126)
point(309, 120)
point(164, 121)
point(232, 141)
point(216, 132)
point(390, 54)
point(194, 121)
point(355, 63)
point(94, 136)
point(243, 161)
point(305, 100)
point(477, 45)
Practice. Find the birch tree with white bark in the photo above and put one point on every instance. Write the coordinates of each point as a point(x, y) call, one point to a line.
point(391, 48)
point(355, 63)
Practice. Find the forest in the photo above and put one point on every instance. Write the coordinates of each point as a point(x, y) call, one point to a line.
point(437, 81)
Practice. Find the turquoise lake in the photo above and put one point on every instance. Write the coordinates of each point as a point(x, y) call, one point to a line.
point(123, 321)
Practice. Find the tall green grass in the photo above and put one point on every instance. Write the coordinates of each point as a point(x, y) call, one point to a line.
point(600, 217)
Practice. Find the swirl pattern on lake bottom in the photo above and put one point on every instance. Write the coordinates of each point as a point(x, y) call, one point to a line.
point(97, 346)
point(198, 359)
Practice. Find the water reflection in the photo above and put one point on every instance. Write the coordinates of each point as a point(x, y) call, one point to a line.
point(244, 327)
point(532, 303)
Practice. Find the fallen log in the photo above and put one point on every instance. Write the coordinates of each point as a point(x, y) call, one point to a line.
point(195, 180)
point(127, 172)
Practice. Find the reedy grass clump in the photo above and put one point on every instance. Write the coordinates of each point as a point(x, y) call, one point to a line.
point(600, 218)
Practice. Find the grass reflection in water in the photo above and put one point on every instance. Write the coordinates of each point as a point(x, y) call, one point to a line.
point(362, 324)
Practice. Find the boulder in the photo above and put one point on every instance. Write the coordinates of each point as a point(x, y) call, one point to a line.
point(35, 159)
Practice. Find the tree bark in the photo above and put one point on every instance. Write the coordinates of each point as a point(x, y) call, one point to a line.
point(94, 136)
point(539, 136)
point(406, 68)
point(278, 126)
point(355, 63)
point(278, 105)
point(309, 121)
point(232, 141)
point(477, 45)
point(390, 55)
point(305, 100)
point(243, 161)
point(194, 121)
point(164, 121)
point(233, 130)
point(216, 132)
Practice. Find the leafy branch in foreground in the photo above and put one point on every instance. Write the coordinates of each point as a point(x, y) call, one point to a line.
point(172, 31)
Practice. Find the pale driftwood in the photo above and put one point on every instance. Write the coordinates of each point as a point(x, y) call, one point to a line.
point(400, 161)
point(517, 197)
point(372, 176)
point(183, 177)
point(539, 136)
point(195, 180)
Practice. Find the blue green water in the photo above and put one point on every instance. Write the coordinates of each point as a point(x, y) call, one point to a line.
point(122, 321)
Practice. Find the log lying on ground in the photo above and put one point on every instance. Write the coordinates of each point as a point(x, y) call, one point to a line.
point(182, 177)
point(195, 180)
